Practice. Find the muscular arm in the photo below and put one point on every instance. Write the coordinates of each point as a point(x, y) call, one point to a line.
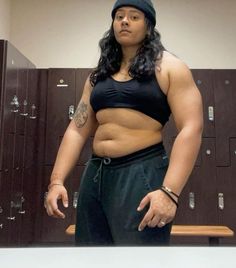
point(186, 105)
point(79, 129)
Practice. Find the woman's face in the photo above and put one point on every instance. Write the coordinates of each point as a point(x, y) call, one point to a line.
point(129, 26)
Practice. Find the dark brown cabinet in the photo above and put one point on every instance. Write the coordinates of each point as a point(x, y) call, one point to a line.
point(64, 89)
point(18, 153)
point(210, 194)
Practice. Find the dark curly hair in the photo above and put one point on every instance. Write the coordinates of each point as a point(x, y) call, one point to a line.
point(143, 64)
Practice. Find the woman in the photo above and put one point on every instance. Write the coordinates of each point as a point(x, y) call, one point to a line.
point(129, 190)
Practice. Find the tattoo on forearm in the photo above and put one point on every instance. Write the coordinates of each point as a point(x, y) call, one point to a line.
point(81, 114)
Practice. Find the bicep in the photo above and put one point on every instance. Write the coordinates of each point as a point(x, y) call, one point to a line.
point(185, 99)
point(84, 119)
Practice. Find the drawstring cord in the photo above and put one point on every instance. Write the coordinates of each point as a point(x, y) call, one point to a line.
point(98, 176)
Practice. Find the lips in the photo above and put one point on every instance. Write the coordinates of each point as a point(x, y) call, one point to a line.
point(125, 31)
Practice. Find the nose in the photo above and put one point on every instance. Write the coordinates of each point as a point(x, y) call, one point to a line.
point(125, 21)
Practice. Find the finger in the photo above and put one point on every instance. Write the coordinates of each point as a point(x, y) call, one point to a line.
point(146, 219)
point(65, 199)
point(162, 223)
point(52, 208)
point(58, 214)
point(154, 222)
point(144, 202)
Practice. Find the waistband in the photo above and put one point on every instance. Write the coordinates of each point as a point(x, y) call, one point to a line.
point(156, 149)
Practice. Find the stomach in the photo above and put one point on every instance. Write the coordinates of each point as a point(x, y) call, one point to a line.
point(122, 131)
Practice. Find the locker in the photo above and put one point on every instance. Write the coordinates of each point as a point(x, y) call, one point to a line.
point(203, 80)
point(14, 112)
point(197, 203)
point(81, 76)
point(53, 230)
point(61, 96)
point(226, 192)
point(224, 91)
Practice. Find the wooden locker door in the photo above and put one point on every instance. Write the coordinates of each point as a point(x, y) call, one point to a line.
point(10, 108)
point(41, 112)
point(61, 95)
point(16, 194)
point(226, 194)
point(53, 231)
point(225, 113)
point(4, 208)
point(2, 85)
point(81, 76)
point(7, 216)
point(198, 200)
point(29, 174)
point(203, 80)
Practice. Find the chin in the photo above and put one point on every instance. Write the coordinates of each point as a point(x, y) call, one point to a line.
point(127, 43)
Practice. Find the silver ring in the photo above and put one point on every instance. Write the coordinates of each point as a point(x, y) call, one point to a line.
point(162, 223)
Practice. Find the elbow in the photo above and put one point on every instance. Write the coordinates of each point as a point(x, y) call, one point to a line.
point(193, 131)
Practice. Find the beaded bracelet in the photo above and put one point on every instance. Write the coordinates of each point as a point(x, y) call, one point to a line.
point(168, 194)
point(169, 190)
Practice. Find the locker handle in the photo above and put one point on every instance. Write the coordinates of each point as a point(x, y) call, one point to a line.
point(211, 113)
point(21, 211)
point(1, 226)
point(1, 210)
point(221, 201)
point(71, 111)
point(11, 217)
point(33, 109)
point(191, 200)
point(15, 105)
point(75, 199)
point(25, 104)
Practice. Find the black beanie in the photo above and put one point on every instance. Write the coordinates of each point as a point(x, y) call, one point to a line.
point(145, 6)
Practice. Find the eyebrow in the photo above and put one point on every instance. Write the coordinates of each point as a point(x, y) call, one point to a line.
point(130, 10)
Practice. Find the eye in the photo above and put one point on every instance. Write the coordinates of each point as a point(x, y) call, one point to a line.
point(119, 17)
point(134, 17)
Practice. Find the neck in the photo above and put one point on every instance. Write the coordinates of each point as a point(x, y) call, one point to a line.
point(128, 54)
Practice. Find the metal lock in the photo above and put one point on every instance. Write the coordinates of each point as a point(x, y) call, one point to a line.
point(15, 105)
point(221, 201)
point(25, 104)
point(211, 113)
point(191, 200)
point(75, 199)
point(71, 111)
point(33, 114)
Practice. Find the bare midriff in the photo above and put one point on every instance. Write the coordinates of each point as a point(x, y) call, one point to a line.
point(122, 131)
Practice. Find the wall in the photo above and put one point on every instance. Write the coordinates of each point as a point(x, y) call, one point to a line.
point(59, 33)
point(5, 7)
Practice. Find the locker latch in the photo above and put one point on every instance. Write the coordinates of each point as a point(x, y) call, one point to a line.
point(75, 199)
point(71, 111)
point(191, 200)
point(211, 113)
point(221, 201)
point(15, 105)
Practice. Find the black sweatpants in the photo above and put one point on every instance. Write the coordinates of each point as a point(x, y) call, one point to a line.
point(110, 192)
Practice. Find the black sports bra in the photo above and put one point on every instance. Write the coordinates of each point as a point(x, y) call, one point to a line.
point(144, 96)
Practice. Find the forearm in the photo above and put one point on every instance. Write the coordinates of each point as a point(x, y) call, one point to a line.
point(182, 159)
point(67, 156)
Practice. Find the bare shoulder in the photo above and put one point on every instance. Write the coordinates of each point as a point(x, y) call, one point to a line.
point(173, 65)
point(169, 69)
point(87, 86)
point(174, 73)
